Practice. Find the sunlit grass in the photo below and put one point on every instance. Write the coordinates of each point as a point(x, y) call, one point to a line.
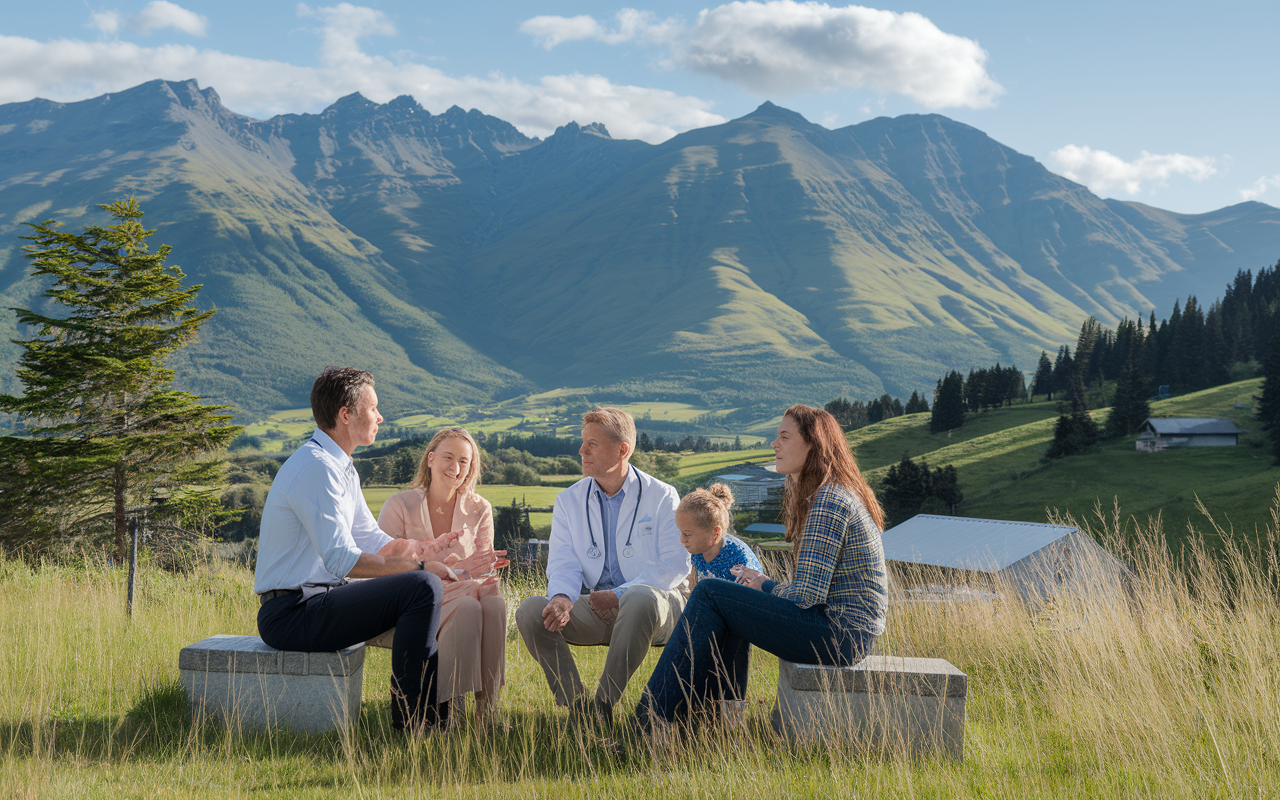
point(702, 462)
point(1168, 690)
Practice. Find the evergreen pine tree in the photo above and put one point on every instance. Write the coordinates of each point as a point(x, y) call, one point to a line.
point(916, 404)
point(1130, 408)
point(1269, 400)
point(1043, 381)
point(948, 404)
point(1075, 430)
point(904, 490)
point(106, 427)
point(1062, 367)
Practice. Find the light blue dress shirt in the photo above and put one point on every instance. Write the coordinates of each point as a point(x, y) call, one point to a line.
point(610, 510)
point(315, 523)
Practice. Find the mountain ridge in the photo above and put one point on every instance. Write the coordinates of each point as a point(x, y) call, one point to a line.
point(763, 260)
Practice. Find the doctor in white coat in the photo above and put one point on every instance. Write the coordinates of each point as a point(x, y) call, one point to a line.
point(616, 571)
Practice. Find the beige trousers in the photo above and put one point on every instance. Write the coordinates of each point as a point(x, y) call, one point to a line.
point(646, 617)
point(473, 647)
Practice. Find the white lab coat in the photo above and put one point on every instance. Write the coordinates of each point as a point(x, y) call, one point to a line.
point(657, 557)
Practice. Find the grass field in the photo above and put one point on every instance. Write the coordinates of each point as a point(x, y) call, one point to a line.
point(997, 456)
point(670, 412)
point(703, 462)
point(498, 494)
point(1169, 691)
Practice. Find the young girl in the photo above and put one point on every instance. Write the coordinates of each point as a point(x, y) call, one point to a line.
point(703, 520)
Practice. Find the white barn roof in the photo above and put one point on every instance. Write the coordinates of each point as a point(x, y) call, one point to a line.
point(983, 545)
point(1192, 426)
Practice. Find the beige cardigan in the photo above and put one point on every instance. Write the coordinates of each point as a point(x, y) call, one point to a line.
point(404, 516)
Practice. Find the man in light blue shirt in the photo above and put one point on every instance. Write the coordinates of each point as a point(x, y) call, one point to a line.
point(317, 531)
point(615, 571)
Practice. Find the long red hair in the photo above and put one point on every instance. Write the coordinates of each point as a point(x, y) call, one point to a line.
point(829, 461)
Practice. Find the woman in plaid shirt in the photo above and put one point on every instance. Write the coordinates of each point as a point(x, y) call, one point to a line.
point(832, 611)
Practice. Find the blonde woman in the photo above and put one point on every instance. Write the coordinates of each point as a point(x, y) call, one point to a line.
point(473, 621)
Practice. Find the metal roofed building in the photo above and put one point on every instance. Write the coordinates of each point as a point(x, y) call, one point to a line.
point(754, 486)
point(1036, 559)
point(1161, 433)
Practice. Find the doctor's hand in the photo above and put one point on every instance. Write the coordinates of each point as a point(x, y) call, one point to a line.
point(556, 614)
point(748, 576)
point(604, 604)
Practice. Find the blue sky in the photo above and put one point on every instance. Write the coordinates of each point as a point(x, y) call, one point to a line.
point(1172, 104)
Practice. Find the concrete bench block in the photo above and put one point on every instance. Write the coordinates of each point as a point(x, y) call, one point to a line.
point(242, 681)
point(887, 702)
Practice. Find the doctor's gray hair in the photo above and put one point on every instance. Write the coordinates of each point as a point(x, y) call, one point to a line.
point(617, 422)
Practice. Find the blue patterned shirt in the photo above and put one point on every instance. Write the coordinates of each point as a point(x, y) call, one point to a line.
point(733, 551)
point(840, 563)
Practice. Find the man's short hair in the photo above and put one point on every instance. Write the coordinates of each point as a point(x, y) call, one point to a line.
point(617, 422)
point(335, 388)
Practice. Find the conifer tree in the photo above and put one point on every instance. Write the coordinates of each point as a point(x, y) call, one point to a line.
point(917, 404)
point(1043, 381)
point(107, 430)
point(948, 404)
point(1075, 430)
point(1129, 408)
point(1269, 400)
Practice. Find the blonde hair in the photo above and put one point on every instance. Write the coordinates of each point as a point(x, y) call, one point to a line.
point(617, 422)
point(709, 507)
point(423, 479)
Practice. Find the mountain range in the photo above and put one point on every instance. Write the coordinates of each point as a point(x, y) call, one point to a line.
point(767, 260)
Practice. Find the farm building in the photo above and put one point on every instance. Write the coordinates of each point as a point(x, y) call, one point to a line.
point(1035, 559)
point(1161, 433)
point(754, 486)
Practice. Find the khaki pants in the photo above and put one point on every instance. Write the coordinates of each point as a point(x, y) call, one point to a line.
point(646, 617)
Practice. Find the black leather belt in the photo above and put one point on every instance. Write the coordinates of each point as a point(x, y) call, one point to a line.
point(274, 593)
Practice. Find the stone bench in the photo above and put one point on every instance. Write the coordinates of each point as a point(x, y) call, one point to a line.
point(914, 705)
point(243, 682)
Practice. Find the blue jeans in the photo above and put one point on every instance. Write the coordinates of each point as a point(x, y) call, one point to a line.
point(707, 656)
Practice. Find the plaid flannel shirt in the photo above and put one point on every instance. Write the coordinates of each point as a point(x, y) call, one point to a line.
point(840, 563)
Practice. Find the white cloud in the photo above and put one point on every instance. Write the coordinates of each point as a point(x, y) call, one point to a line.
point(105, 22)
point(551, 31)
point(1103, 172)
point(630, 24)
point(68, 70)
point(783, 46)
point(160, 14)
point(1260, 187)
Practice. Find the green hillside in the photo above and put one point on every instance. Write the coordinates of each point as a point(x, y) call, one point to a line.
point(997, 455)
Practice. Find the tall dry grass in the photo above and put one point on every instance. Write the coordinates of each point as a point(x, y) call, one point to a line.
point(1163, 686)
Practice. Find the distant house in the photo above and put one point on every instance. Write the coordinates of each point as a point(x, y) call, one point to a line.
point(1161, 433)
point(754, 486)
point(932, 555)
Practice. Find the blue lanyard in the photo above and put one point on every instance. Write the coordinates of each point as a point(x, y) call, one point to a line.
point(594, 550)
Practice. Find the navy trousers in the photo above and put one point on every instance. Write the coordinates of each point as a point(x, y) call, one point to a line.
point(357, 612)
point(707, 656)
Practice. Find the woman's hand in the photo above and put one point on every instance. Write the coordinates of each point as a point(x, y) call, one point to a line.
point(433, 549)
point(481, 563)
point(748, 576)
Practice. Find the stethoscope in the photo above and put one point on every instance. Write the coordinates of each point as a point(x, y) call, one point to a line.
point(593, 551)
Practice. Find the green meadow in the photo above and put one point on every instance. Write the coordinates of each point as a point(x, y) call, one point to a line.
point(1168, 691)
point(998, 458)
